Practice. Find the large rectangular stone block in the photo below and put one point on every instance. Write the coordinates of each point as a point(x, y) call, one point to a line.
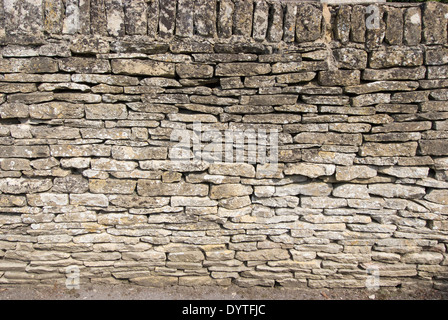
point(32, 65)
point(159, 188)
point(407, 149)
point(70, 150)
point(112, 186)
point(139, 153)
point(24, 151)
point(56, 110)
point(308, 23)
point(434, 147)
point(229, 190)
point(143, 67)
point(242, 69)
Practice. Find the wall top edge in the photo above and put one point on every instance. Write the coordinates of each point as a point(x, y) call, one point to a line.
point(259, 21)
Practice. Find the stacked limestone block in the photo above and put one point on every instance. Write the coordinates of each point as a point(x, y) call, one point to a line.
point(91, 92)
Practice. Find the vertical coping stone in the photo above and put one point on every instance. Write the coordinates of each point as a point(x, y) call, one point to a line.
point(275, 25)
point(23, 18)
point(289, 27)
point(435, 16)
point(184, 18)
point(167, 18)
point(53, 12)
point(115, 18)
point(342, 23)
point(394, 26)
point(205, 17)
point(71, 21)
point(358, 24)
point(412, 32)
point(153, 18)
point(2, 22)
point(136, 17)
point(84, 16)
point(243, 17)
point(225, 18)
point(308, 23)
point(376, 28)
point(260, 20)
point(98, 20)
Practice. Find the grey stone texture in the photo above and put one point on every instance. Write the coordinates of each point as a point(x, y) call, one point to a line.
point(100, 165)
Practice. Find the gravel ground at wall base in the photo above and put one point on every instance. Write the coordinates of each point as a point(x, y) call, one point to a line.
point(132, 292)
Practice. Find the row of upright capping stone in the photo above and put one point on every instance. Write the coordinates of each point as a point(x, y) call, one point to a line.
point(261, 20)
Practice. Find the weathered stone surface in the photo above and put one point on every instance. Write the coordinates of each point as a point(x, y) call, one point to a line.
point(260, 20)
point(423, 257)
point(324, 202)
point(104, 111)
point(232, 169)
point(24, 186)
point(434, 14)
point(342, 24)
point(143, 67)
point(243, 17)
point(437, 196)
point(406, 172)
point(412, 32)
point(388, 190)
point(314, 189)
point(355, 172)
point(136, 17)
point(263, 255)
point(14, 110)
point(47, 199)
point(7, 200)
point(229, 190)
point(192, 202)
point(55, 133)
point(396, 57)
point(32, 65)
point(394, 26)
point(434, 147)
point(388, 150)
point(88, 199)
point(68, 151)
point(370, 99)
point(138, 153)
point(194, 71)
point(310, 170)
point(351, 191)
point(328, 138)
point(398, 73)
point(89, 45)
point(358, 24)
point(24, 151)
point(225, 18)
point(339, 77)
point(84, 65)
point(70, 184)
point(308, 23)
point(112, 186)
point(383, 86)
point(350, 58)
point(56, 110)
point(158, 188)
point(242, 69)
point(132, 201)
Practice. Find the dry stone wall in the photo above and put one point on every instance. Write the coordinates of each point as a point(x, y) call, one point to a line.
point(92, 93)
